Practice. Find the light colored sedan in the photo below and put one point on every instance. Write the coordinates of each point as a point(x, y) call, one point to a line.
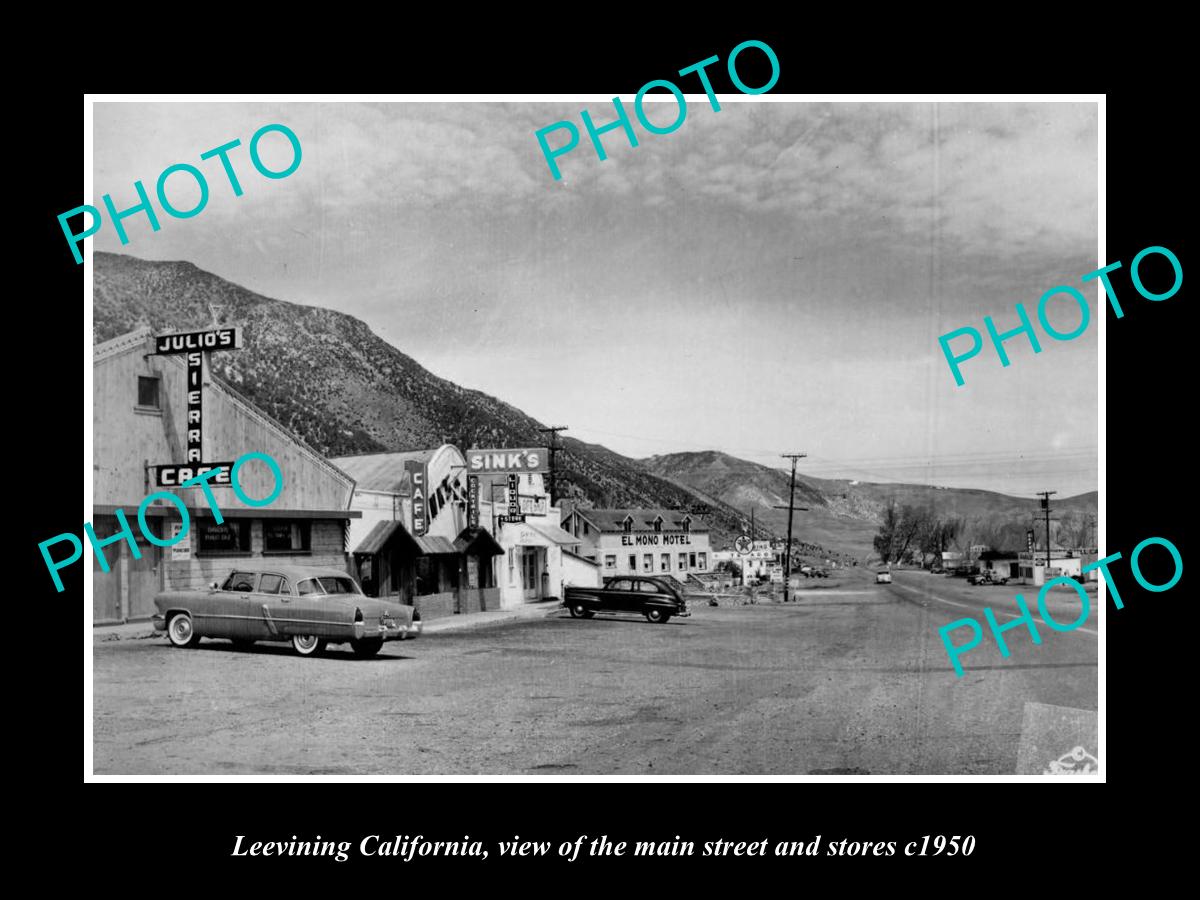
point(307, 606)
point(883, 577)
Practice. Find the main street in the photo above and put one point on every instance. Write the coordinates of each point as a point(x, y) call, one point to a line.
point(852, 679)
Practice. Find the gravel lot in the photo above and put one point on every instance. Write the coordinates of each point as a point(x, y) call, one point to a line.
point(843, 681)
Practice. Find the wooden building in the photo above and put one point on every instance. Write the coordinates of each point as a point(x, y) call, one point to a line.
point(140, 417)
point(413, 542)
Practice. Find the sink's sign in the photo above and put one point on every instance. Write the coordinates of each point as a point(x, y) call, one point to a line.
point(654, 540)
point(520, 459)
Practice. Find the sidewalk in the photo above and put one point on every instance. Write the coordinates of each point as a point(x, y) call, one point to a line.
point(137, 631)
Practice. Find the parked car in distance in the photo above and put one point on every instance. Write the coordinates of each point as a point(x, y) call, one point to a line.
point(937, 570)
point(654, 598)
point(987, 576)
point(883, 577)
point(307, 606)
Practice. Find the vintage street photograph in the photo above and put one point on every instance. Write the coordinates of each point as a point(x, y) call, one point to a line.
point(452, 467)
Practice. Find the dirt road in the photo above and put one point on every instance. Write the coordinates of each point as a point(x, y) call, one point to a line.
point(842, 681)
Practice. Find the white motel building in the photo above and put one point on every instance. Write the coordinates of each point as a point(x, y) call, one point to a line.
point(641, 541)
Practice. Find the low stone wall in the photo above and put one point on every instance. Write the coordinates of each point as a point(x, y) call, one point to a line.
point(434, 606)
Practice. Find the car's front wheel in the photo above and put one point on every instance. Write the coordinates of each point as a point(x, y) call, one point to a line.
point(307, 644)
point(579, 611)
point(367, 647)
point(181, 631)
point(657, 616)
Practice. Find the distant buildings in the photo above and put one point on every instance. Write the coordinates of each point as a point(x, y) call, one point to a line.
point(757, 562)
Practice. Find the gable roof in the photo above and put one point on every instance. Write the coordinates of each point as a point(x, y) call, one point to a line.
point(643, 519)
point(381, 471)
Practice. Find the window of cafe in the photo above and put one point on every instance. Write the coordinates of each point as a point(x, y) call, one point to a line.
point(230, 538)
point(287, 536)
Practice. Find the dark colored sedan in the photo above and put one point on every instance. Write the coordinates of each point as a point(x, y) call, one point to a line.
point(654, 598)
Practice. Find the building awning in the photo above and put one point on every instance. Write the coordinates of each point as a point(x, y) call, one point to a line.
point(434, 546)
point(528, 534)
point(477, 542)
point(203, 512)
point(556, 535)
point(377, 538)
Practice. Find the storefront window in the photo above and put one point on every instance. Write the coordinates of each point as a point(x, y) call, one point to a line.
point(665, 562)
point(703, 560)
point(682, 561)
point(230, 538)
point(287, 536)
point(648, 562)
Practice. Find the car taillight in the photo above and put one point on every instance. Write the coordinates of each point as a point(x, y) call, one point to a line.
point(358, 617)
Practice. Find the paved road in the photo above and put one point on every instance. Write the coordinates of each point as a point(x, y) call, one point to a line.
point(852, 680)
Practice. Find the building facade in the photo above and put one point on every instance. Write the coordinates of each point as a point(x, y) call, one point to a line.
point(142, 421)
point(641, 541)
point(1068, 563)
point(414, 543)
point(540, 558)
point(758, 562)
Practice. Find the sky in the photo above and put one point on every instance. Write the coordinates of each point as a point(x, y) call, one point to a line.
point(769, 278)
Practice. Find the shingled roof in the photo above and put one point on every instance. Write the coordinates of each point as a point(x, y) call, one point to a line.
point(613, 520)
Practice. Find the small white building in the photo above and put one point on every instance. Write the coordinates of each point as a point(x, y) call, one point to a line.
point(540, 558)
point(757, 562)
point(1033, 569)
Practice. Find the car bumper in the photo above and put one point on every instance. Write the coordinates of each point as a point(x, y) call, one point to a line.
point(388, 631)
point(159, 621)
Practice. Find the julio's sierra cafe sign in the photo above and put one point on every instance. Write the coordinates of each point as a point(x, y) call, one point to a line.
point(193, 345)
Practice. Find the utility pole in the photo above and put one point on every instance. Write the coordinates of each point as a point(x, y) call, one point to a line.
point(1045, 495)
point(752, 532)
point(553, 431)
point(787, 553)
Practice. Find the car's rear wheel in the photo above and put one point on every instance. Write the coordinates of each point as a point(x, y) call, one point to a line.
point(181, 631)
point(657, 616)
point(307, 644)
point(366, 648)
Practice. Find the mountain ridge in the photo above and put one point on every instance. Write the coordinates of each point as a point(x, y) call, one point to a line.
point(329, 379)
